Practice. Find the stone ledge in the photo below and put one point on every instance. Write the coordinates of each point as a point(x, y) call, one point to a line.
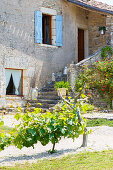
point(14, 98)
point(47, 46)
point(48, 11)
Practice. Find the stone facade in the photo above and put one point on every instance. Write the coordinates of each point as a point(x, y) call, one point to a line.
point(18, 49)
point(109, 32)
point(96, 40)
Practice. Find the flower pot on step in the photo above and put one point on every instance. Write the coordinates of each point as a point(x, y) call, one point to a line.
point(63, 91)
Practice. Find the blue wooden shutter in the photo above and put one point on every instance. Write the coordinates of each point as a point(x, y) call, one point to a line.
point(38, 27)
point(59, 33)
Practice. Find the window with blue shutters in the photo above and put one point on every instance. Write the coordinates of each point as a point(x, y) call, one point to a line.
point(38, 27)
point(48, 29)
point(59, 33)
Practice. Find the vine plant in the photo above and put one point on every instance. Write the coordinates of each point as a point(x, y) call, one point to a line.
point(48, 127)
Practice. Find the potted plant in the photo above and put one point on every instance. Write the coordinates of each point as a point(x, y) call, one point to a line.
point(102, 30)
point(63, 87)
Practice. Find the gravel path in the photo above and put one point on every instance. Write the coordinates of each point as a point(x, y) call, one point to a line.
point(100, 139)
point(97, 115)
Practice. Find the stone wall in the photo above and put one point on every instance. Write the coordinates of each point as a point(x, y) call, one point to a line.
point(96, 40)
point(90, 22)
point(109, 32)
point(74, 69)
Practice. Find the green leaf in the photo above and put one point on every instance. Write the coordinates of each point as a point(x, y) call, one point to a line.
point(50, 127)
point(63, 130)
point(32, 132)
point(1, 123)
point(70, 121)
point(17, 116)
point(42, 131)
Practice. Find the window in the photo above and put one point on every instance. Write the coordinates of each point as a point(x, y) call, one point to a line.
point(13, 82)
point(46, 29)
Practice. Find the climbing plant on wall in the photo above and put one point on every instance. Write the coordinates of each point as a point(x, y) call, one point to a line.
point(99, 76)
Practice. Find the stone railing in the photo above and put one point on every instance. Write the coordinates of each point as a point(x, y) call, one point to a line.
point(73, 69)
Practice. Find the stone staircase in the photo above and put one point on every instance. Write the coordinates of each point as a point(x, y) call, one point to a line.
point(47, 97)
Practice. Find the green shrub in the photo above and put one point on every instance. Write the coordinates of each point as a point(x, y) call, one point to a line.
point(48, 127)
point(100, 77)
point(5, 139)
point(86, 107)
point(62, 84)
point(106, 52)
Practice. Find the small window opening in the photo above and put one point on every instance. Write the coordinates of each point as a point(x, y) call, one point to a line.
point(46, 29)
point(13, 82)
point(10, 90)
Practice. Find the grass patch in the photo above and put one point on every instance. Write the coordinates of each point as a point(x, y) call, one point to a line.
point(99, 122)
point(5, 129)
point(89, 160)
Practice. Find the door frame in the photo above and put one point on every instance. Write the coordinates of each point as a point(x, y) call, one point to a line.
point(81, 45)
point(86, 41)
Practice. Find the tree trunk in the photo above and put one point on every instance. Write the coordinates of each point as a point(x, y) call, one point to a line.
point(53, 148)
point(85, 139)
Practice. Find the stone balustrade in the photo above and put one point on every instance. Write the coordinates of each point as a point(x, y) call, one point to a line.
point(74, 69)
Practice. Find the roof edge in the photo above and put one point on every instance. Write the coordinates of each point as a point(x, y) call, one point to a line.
point(91, 7)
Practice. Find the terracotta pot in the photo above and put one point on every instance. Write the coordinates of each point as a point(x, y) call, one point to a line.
point(63, 91)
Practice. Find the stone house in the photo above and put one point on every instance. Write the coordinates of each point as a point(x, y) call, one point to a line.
point(38, 38)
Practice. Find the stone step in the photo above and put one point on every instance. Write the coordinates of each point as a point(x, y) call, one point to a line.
point(51, 85)
point(43, 105)
point(43, 109)
point(48, 93)
point(46, 101)
point(49, 97)
point(47, 89)
point(10, 110)
point(58, 79)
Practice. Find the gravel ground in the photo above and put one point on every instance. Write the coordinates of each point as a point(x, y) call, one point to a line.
point(97, 115)
point(100, 139)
